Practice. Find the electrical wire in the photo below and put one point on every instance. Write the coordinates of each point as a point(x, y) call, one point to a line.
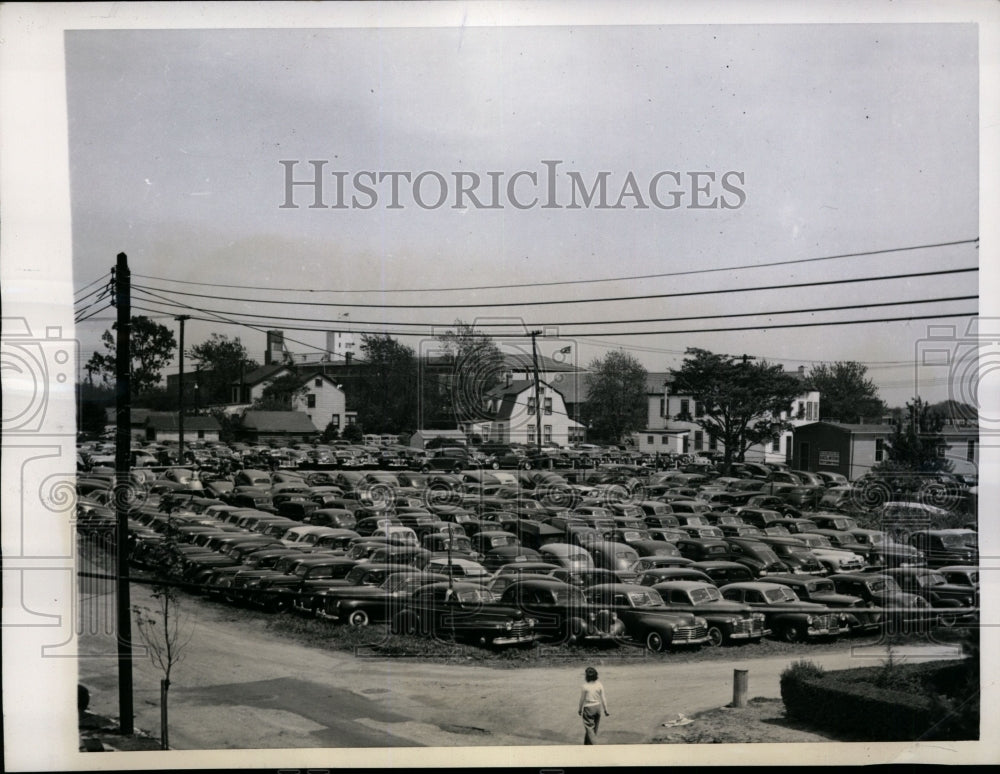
point(608, 299)
point(84, 319)
point(884, 251)
point(94, 282)
point(563, 324)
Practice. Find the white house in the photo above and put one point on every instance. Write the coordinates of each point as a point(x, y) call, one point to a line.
point(323, 400)
point(515, 415)
point(665, 433)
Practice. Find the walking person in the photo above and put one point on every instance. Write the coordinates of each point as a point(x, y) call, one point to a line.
point(592, 704)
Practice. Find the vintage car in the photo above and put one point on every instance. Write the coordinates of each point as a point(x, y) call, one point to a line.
point(951, 603)
point(656, 575)
point(832, 558)
point(567, 555)
point(647, 619)
point(619, 557)
point(661, 560)
point(883, 551)
point(509, 573)
point(561, 611)
point(794, 554)
point(723, 572)
point(463, 611)
point(465, 569)
point(789, 618)
point(497, 557)
point(366, 603)
point(822, 591)
point(332, 517)
point(277, 591)
point(883, 593)
point(759, 557)
point(727, 621)
point(942, 547)
point(961, 575)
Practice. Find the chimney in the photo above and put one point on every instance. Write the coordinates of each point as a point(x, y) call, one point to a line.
point(802, 371)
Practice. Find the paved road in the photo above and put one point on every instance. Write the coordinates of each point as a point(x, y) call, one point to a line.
point(240, 686)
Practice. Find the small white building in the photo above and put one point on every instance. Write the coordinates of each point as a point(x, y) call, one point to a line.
point(515, 415)
point(323, 400)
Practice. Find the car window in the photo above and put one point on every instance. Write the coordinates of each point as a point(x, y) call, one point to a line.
point(780, 595)
point(705, 594)
point(645, 599)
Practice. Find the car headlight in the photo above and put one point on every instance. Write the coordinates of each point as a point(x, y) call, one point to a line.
point(758, 616)
point(701, 622)
point(531, 622)
point(509, 625)
point(809, 620)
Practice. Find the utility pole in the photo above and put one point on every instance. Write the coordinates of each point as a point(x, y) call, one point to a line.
point(180, 392)
point(123, 499)
point(538, 403)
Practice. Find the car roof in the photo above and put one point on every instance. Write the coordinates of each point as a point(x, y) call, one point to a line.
point(683, 584)
point(758, 585)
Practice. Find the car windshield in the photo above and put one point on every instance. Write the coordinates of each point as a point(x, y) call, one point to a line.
point(821, 587)
point(645, 599)
point(780, 595)
point(801, 554)
point(884, 584)
point(819, 542)
point(705, 594)
point(474, 596)
point(952, 541)
point(932, 579)
point(502, 540)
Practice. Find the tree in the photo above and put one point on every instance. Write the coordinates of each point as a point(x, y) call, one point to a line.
point(916, 442)
point(151, 347)
point(387, 399)
point(476, 366)
point(353, 433)
point(616, 397)
point(222, 360)
point(165, 633)
point(741, 399)
point(846, 393)
point(330, 433)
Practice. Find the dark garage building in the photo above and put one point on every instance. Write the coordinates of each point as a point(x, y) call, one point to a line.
point(839, 448)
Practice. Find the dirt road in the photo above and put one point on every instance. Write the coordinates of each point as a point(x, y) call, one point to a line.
point(240, 686)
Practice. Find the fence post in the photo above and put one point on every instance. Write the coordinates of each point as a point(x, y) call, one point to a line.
point(740, 683)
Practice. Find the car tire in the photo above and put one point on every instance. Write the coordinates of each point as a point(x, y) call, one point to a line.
point(715, 636)
point(655, 642)
point(358, 618)
point(495, 465)
point(791, 633)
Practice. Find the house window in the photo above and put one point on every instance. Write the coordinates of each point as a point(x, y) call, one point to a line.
point(547, 405)
point(531, 405)
point(776, 444)
point(685, 407)
point(699, 409)
point(351, 419)
point(335, 420)
point(547, 432)
point(879, 449)
point(649, 439)
point(713, 443)
point(970, 452)
point(201, 434)
point(318, 382)
point(686, 444)
point(531, 435)
point(802, 410)
point(663, 407)
point(699, 440)
point(664, 440)
point(310, 401)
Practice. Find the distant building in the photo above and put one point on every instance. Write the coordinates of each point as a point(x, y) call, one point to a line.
point(515, 415)
point(280, 426)
point(164, 426)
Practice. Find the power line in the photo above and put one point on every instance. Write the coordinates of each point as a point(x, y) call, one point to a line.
point(563, 324)
point(94, 282)
point(608, 299)
point(690, 272)
point(98, 311)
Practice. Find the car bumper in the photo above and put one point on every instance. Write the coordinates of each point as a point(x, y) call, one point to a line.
point(515, 639)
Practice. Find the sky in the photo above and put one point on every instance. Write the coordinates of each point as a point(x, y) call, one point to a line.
point(832, 140)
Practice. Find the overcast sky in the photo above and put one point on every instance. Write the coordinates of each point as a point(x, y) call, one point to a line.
point(845, 139)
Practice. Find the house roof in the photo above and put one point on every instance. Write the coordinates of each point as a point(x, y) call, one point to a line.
point(137, 416)
point(522, 361)
point(168, 420)
point(656, 380)
point(849, 428)
point(261, 374)
point(278, 422)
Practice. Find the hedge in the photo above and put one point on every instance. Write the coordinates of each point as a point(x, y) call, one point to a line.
point(851, 702)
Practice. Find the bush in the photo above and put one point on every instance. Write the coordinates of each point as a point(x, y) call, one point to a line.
point(894, 702)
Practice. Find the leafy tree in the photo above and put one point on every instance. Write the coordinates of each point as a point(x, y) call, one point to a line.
point(387, 399)
point(353, 433)
point(151, 347)
point(916, 442)
point(477, 366)
point(330, 433)
point(741, 399)
point(616, 397)
point(846, 393)
point(221, 360)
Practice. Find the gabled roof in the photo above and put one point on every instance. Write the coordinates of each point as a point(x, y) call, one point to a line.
point(522, 361)
point(261, 374)
point(278, 422)
point(848, 428)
